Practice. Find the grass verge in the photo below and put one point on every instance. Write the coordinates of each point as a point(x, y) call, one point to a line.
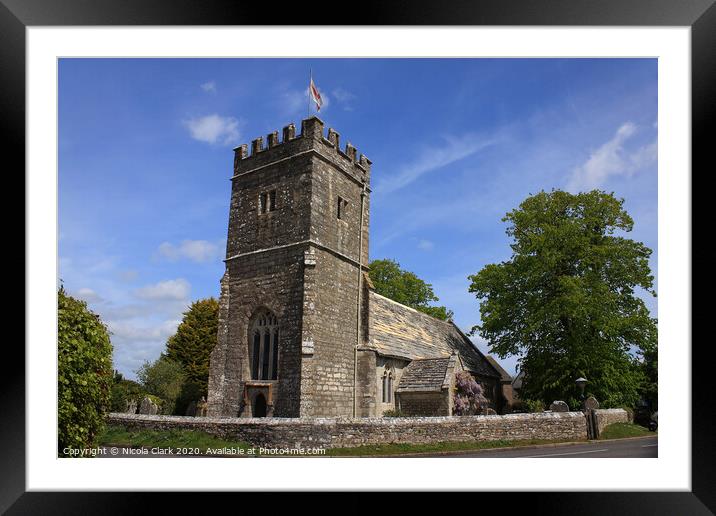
point(622, 430)
point(407, 449)
point(179, 438)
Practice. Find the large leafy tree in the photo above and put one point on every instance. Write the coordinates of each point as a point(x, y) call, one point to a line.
point(84, 367)
point(566, 301)
point(165, 379)
point(193, 341)
point(405, 287)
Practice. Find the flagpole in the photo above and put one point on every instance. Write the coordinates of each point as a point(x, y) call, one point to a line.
point(310, 72)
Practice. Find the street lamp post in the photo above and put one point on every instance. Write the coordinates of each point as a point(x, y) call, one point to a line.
point(581, 382)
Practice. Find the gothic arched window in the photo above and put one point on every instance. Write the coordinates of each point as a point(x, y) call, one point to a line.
point(387, 385)
point(263, 345)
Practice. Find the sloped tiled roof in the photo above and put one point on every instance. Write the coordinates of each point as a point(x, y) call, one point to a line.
point(424, 374)
point(399, 331)
point(504, 375)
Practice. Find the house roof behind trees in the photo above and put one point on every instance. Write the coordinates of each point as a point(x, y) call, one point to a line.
point(504, 375)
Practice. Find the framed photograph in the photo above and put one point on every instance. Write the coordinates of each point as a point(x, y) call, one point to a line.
point(348, 216)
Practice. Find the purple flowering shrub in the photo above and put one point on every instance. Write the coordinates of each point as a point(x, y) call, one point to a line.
point(469, 396)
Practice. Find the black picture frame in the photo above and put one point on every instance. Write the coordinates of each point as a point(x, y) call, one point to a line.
point(17, 15)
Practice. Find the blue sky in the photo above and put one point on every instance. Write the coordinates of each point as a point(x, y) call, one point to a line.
point(145, 156)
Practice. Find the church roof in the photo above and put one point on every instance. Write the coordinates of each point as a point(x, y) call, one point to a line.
point(425, 374)
point(399, 331)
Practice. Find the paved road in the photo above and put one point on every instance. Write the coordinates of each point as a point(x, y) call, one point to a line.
point(642, 447)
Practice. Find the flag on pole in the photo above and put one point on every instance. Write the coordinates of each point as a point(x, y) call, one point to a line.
point(316, 95)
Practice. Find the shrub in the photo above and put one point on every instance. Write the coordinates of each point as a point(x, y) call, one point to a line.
point(533, 405)
point(469, 395)
point(164, 379)
point(84, 367)
point(124, 391)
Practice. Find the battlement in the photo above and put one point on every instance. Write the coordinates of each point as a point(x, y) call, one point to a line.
point(311, 129)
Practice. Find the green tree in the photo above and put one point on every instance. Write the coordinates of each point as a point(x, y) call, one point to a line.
point(193, 341)
point(566, 299)
point(405, 287)
point(163, 378)
point(650, 388)
point(84, 367)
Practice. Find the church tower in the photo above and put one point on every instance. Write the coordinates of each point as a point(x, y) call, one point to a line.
point(290, 304)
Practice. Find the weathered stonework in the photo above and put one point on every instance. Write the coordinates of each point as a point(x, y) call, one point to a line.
point(606, 417)
point(288, 254)
point(297, 255)
point(347, 432)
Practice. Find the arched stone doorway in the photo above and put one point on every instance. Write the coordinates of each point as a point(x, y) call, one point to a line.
point(259, 408)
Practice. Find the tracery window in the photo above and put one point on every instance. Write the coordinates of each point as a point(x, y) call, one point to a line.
point(387, 385)
point(263, 340)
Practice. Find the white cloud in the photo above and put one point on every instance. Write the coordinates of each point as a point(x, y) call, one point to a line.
point(209, 87)
point(177, 289)
point(89, 295)
point(435, 158)
point(135, 333)
point(643, 156)
point(345, 98)
point(611, 159)
point(194, 250)
point(214, 129)
point(426, 245)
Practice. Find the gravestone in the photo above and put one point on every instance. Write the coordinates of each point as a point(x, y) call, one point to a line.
point(131, 407)
point(148, 407)
point(591, 403)
point(559, 406)
point(201, 407)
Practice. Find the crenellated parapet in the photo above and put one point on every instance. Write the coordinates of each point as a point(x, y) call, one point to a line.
point(313, 138)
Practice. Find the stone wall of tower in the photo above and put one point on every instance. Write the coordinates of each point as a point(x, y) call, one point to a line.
point(300, 261)
point(328, 379)
point(217, 360)
point(272, 280)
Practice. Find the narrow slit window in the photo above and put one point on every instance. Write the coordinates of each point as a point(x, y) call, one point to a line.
point(272, 200)
point(263, 201)
point(341, 205)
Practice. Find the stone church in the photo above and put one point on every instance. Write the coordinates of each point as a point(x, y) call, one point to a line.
point(301, 331)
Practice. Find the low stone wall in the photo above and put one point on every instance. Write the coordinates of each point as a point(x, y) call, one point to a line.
point(348, 432)
point(608, 416)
